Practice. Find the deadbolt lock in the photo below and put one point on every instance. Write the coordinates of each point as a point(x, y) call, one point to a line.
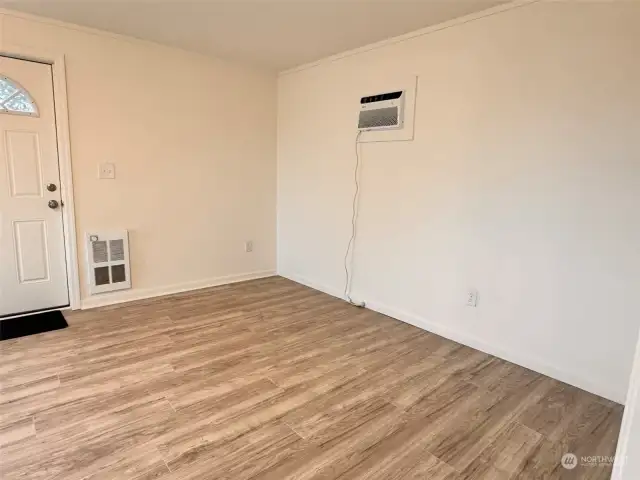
point(51, 187)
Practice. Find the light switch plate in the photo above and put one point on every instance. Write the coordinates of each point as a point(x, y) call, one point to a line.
point(107, 171)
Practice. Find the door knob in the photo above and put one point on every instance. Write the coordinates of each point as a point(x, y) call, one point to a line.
point(53, 204)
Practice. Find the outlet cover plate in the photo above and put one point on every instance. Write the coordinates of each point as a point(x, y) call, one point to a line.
point(107, 171)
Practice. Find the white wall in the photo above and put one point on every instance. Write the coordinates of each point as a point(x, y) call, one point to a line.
point(523, 181)
point(193, 140)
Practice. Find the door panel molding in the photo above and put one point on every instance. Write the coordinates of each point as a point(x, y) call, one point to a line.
point(19, 139)
point(31, 268)
point(57, 62)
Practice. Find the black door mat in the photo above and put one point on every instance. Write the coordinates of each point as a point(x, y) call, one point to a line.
point(32, 324)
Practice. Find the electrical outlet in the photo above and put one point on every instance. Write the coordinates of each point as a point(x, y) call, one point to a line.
point(107, 171)
point(248, 246)
point(472, 298)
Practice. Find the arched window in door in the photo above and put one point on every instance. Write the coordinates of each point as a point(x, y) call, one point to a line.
point(15, 99)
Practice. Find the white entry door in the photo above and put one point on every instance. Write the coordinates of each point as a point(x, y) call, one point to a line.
point(33, 274)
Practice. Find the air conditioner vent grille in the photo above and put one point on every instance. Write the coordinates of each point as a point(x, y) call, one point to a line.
point(381, 117)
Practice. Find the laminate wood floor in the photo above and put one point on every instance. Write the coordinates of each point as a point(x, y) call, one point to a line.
point(271, 380)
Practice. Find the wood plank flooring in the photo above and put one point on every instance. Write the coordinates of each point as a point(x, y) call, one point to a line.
point(271, 380)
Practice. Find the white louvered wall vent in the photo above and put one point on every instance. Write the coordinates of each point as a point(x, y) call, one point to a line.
point(108, 261)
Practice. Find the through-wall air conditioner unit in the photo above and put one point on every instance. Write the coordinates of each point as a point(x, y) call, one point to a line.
point(384, 111)
point(108, 260)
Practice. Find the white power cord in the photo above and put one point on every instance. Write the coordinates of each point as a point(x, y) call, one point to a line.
point(354, 219)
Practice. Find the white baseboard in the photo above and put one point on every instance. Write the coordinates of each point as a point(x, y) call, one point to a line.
point(142, 293)
point(514, 356)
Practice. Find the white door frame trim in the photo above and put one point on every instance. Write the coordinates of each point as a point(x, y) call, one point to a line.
point(57, 62)
point(630, 421)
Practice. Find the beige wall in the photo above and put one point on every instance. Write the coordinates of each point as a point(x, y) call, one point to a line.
point(523, 181)
point(193, 140)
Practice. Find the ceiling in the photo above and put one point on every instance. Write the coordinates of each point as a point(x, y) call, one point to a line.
point(276, 34)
